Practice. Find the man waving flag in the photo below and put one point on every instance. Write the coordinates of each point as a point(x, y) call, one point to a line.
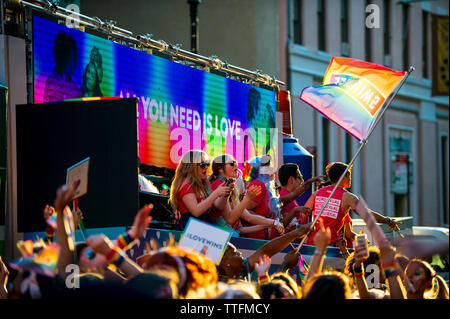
point(352, 93)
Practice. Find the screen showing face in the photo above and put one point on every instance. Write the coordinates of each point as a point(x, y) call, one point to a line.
point(180, 108)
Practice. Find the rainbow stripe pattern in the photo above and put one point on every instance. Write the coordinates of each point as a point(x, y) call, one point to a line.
point(43, 263)
point(303, 268)
point(352, 94)
point(250, 172)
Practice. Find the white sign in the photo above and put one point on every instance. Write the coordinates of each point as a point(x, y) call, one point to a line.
point(79, 172)
point(205, 238)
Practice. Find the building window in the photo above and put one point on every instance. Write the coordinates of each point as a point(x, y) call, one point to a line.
point(405, 35)
point(321, 24)
point(344, 28)
point(298, 36)
point(425, 44)
point(387, 33)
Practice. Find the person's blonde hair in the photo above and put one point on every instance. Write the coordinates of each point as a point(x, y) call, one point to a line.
point(329, 284)
point(187, 171)
point(237, 290)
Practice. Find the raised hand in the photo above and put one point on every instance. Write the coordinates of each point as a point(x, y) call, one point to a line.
point(323, 237)
point(253, 191)
point(278, 226)
point(393, 224)
point(100, 244)
point(141, 222)
point(360, 255)
point(64, 196)
point(48, 211)
point(315, 179)
point(262, 265)
point(222, 190)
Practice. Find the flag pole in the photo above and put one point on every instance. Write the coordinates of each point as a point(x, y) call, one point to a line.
point(362, 144)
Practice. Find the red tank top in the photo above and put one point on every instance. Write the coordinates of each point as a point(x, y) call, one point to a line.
point(333, 216)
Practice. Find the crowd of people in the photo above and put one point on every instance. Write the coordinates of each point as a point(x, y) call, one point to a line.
point(250, 205)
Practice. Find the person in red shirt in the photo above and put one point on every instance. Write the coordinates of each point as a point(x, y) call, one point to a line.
point(260, 173)
point(191, 193)
point(230, 211)
point(341, 202)
point(291, 179)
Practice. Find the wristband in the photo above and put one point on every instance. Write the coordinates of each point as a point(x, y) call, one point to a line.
point(263, 279)
point(388, 220)
point(125, 241)
point(390, 270)
point(49, 232)
point(115, 257)
point(276, 222)
point(358, 270)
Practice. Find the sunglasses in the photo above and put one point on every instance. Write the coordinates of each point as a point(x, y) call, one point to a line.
point(204, 165)
point(89, 253)
point(233, 164)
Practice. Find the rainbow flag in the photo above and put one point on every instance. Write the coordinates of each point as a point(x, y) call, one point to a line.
point(43, 263)
point(303, 267)
point(352, 94)
point(250, 172)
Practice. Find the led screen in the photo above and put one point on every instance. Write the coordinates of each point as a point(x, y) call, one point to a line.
point(180, 107)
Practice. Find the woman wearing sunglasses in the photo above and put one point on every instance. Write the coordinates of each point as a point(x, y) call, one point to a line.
point(224, 168)
point(191, 193)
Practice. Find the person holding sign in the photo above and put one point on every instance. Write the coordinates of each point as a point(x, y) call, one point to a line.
point(341, 202)
point(191, 193)
point(225, 168)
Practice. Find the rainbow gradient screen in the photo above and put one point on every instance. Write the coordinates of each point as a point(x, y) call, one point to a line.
point(180, 108)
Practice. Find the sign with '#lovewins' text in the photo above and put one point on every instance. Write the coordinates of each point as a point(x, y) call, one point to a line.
point(205, 238)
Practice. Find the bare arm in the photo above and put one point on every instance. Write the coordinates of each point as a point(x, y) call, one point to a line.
point(348, 232)
point(4, 273)
point(298, 191)
point(251, 229)
point(358, 271)
point(196, 208)
point(257, 219)
point(396, 288)
point(290, 215)
point(261, 220)
point(232, 215)
point(278, 244)
point(64, 196)
point(102, 245)
point(321, 241)
point(351, 200)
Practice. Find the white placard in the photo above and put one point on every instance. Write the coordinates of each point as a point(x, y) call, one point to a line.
point(76, 172)
point(197, 235)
